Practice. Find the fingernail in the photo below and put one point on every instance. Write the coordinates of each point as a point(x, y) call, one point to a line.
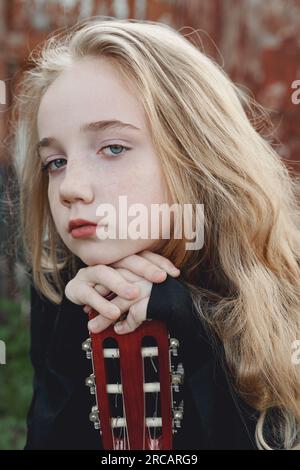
point(92, 323)
point(175, 271)
point(118, 327)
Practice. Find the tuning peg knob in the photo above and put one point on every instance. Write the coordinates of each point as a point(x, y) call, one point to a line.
point(86, 346)
point(94, 417)
point(174, 343)
point(94, 414)
point(90, 382)
point(177, 379)
point(178, 415)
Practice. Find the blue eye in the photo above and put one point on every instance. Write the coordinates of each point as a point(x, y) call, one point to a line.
point(45, 167)
point(115, 146)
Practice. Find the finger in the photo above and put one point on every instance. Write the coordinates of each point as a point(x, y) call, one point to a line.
point(102, 290)
point(123, 304)
point(161, 262)
point(136, 315)
point(142, 267)
point(128, 275)
point(98, 324)
point(109, 278)
point(88, 296)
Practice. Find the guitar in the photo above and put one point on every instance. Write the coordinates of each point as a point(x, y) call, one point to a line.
point(136, 382)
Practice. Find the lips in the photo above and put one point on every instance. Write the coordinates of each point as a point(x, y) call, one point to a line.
point(83, 231)
point(81, 228)
point(75, 223)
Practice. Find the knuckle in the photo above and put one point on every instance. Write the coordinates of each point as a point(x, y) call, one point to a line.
point(81, 272)
point(81, 292)
point(122, 271)
point(68, 289)
point(121, 284)
point(100, 270)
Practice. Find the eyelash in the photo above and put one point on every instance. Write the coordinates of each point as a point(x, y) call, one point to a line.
point(45, 166)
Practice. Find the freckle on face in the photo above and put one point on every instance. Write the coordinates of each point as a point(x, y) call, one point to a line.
point(91, 90)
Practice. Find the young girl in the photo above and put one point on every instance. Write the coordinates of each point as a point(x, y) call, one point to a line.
point(127, 107)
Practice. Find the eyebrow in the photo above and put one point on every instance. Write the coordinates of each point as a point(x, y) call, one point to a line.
point(91, 126)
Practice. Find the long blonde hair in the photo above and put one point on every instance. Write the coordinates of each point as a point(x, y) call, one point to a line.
point(205, 131)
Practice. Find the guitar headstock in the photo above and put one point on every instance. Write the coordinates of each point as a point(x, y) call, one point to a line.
point(135, 382)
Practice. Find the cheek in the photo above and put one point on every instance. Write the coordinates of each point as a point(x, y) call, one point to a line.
point(51, 197)
point(143, 184)
point(53, 201)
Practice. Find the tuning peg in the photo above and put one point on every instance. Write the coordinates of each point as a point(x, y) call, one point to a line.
point(90, 382)
point(86, 346)
point(94, 417)
point(94, 414)
point(178, 415)
point(174, 343)
point(177, 378)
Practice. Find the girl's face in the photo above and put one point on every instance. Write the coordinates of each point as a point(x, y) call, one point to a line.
point(83, 174)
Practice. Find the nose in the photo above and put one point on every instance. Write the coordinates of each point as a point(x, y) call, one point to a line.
point(76, 184)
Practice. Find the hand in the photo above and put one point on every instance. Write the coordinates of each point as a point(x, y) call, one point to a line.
point(93, 283)
point(136, 309)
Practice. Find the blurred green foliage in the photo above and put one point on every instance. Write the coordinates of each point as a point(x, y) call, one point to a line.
point(16, 374)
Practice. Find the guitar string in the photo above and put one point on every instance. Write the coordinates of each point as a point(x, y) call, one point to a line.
point(124, 428)
point(144, 397)
point(153, 439)
point(125, 422)
point(156, 396)
point(116, 406)
point(111, 427)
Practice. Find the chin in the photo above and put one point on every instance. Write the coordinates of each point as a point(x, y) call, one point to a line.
point(93, 260)
point(102, 254)
point(110, 251)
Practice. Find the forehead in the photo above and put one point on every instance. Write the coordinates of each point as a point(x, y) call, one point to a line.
point(90, 89)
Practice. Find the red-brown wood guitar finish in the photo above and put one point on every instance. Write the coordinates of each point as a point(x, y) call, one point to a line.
point(133, 381)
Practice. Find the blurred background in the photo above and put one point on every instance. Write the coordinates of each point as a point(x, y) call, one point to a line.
point(257, 42)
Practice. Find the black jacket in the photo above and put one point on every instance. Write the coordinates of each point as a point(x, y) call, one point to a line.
point(214, 415)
